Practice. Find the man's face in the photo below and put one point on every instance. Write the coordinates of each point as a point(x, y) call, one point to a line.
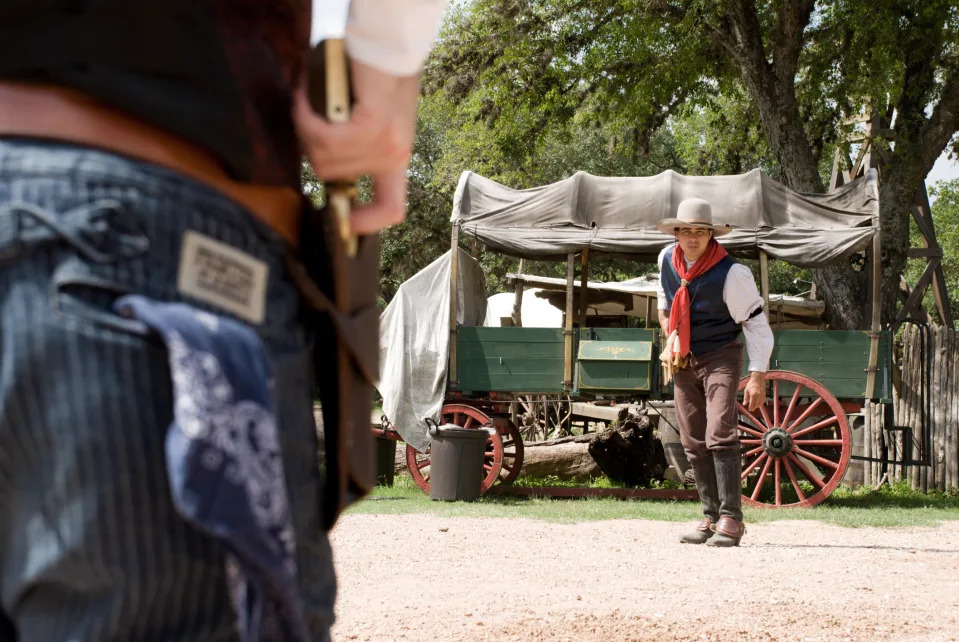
point(693, 240)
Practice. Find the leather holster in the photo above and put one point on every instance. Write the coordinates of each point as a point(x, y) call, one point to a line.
point(341, 295)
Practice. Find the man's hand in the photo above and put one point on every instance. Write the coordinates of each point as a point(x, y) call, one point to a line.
point(754, 395)
point(376, 141)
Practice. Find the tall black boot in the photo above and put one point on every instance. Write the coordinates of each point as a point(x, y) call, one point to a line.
point(709, 496)
point(729, 469)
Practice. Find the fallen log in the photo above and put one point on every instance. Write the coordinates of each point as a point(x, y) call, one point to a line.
point(567, 458)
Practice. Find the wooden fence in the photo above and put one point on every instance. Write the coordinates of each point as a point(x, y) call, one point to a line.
point(935, 465)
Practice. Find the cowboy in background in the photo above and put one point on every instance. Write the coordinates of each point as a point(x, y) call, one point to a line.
point(706, 300)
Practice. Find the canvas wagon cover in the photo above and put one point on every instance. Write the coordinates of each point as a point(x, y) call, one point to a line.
point(619, 216)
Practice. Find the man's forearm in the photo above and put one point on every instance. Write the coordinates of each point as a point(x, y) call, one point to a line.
point(663, 320)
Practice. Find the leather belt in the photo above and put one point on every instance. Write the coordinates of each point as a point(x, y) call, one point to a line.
point(46, 111)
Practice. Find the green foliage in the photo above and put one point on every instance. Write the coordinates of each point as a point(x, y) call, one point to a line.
point(532, 90)
point(527, 92)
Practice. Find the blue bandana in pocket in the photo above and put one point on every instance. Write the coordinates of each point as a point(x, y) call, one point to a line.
point(223, 459)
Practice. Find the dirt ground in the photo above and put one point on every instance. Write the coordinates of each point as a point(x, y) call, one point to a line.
point(422, 577)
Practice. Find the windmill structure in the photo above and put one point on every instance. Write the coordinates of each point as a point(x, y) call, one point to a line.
point(874, 154)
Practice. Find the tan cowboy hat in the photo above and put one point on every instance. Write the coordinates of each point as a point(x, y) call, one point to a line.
point(693, 212)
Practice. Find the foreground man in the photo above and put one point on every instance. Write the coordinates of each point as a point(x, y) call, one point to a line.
point(705, 300)
point(157, 441)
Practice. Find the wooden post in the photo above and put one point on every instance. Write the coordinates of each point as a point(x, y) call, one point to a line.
point(764, 280)
point(876, 278)
point(949, 405)
point(583, 282)
point(568, 332)
point(518, 298)
point(454, 278)
point(649, 310)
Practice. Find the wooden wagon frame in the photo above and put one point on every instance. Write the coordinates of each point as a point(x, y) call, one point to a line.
point(801, 438)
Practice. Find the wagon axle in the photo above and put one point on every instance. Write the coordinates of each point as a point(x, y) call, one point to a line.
point(777, 442)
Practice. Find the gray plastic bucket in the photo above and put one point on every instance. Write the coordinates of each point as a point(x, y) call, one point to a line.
point(456, 462)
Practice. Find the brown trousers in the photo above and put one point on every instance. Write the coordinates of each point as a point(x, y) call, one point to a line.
point(705, 396)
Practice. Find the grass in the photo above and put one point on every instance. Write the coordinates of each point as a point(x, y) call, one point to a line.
point(890, 507)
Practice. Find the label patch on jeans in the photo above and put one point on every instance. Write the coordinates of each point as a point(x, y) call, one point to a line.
point(216, 273)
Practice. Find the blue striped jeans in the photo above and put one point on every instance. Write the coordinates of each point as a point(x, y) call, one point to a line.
point(91, 547)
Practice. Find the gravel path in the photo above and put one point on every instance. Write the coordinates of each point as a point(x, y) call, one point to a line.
point(422, 577)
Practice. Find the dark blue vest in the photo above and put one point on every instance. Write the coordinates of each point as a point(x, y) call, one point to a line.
point(710, 326)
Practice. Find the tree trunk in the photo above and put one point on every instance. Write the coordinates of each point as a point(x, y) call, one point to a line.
point(894, 205)
point(630, 453)
point(846, 293)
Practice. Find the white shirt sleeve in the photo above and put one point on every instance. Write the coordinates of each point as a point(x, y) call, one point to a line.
point(742, 299)
point(393, 36)
point(660, 292)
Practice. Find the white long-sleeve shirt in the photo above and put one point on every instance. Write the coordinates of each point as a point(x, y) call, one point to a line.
point(742, 298)
point(393, 36)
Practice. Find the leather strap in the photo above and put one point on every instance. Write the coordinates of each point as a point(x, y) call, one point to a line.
point(51, 112)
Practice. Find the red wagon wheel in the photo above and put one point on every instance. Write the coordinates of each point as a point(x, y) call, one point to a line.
point(796, 447)
point(512, 449)
point(418, 462)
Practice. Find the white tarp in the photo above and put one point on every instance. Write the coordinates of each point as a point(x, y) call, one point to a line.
point(535, 312)
point(414, 343)
point(619, 215)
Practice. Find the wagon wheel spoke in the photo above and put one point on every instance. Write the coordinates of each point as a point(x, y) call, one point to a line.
point(750, 442)
point(805, 471)
point(777, 479)
point(817, 426)
point(742, 409)
point(812, 407)
point(816, 458)
point(469, 422)
point(792, 405)
point(416, 463)
point(776, 403)
point(834, 443)
point(749, 431)
point(748, 469)
point(792, 478)
point(762, 479)
point(754, 451)
point(512, 450)
point(769, 424)
point(525, 402)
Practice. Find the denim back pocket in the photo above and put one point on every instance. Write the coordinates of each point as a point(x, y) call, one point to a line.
point(83, 299)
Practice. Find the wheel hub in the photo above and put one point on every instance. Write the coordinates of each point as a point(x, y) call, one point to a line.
point(777, 442)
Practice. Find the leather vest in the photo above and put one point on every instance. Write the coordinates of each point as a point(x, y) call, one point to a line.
point(711, 326)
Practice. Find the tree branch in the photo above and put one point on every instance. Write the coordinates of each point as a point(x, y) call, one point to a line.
point(773, 92)
point(793, 17)
point(935, 132)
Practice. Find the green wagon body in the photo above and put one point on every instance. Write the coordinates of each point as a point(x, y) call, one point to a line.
point(624, 362)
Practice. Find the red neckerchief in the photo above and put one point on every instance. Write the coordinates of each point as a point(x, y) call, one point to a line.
point(679, 311)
